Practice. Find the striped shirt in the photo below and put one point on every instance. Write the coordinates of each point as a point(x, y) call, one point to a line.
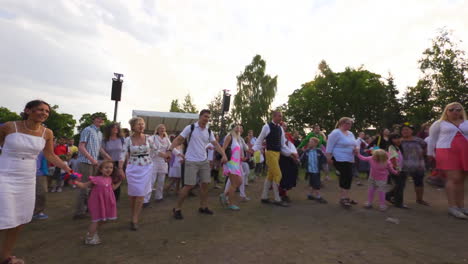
point(313, 162)
point(93, 138)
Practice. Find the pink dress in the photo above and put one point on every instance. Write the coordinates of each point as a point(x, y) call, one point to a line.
point(101, 202)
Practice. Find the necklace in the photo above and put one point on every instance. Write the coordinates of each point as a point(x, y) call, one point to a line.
point(25, 126)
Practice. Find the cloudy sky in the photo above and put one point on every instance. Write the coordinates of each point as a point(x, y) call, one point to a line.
point(65, 51)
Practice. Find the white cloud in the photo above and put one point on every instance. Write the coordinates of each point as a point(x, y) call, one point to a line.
point(66, 51)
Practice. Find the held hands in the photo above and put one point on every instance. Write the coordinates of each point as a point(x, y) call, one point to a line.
point(94, 162)
point(224, 159)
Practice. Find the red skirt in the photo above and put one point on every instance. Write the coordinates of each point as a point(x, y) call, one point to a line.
point(455, 157)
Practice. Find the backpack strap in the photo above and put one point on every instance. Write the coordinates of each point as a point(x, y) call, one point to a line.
point(192, 127)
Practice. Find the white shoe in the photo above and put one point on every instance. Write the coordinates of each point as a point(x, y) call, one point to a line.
point(457, 212)
point(59, 189)
point(53, 189)
point(92, 240)
point(464, 210)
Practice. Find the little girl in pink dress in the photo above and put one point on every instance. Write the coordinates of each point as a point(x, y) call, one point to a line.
point(101, 203)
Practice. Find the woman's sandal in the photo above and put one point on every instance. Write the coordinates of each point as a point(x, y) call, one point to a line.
point(345, 203)
point(422, 202)
point(12, 260)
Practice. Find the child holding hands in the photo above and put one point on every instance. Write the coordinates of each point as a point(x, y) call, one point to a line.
point(101, 203)
point(380, 165)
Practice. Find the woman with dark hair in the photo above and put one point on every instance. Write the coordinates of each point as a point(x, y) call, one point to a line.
point(424, 131)
point(395, 155)
point(414, 150)
point(111, 148)
point(382, 140)
point(22, 141)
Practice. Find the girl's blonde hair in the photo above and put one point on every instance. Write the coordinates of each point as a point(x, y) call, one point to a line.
point(233, 132)
point(343, 120)
point(134, 121)
point(157, 128)
point(444, 116)
point(380, 156)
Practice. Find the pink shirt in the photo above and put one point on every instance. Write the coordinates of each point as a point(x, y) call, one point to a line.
point(378, 171)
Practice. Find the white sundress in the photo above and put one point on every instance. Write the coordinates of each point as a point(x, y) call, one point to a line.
point(18, 178)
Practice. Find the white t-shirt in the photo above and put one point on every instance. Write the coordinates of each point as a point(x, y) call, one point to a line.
point(210, 149)
point(196, 150)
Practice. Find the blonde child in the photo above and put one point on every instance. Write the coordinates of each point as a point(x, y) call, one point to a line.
point(314, 159)
point(380, 165)
point(175, 169)
point(101, 203)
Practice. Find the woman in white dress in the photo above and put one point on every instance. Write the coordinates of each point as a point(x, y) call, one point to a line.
point(139, 167)
point(160, 166)
point(22, 141)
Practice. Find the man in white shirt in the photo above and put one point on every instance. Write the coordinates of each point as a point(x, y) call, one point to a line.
point(196, 164)
point(275, 142)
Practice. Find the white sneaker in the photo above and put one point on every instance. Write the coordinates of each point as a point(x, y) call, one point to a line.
point(464, 210)
point(457, 212)
point(92, 240)
point(53, 189)
point(59, 189)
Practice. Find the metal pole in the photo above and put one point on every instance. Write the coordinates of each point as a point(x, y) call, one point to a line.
point(115, 110)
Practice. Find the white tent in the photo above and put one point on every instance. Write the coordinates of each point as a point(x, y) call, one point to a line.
point(175, 122)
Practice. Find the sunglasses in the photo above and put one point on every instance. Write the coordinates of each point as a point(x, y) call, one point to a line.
point(455, 109)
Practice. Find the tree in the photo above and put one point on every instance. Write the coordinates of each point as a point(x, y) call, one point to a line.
point(355, 93)
point(62, 125)
point(188, 106)
point(418, 104)
point(216, 108)
point(392, 107)
point(86, 121)
point(7, 115)
point(175, 107)
point(255, 93)
point(445, 67)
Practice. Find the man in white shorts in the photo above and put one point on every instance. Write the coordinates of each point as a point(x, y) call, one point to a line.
point(197, 136)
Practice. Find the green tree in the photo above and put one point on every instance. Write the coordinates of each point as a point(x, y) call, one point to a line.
point(62, 125)
point(7, 115)
point(188, 106)
point(175, 107)
point(355, 93)
point(445, 67)
point(86, 121)
point(392, 108)
point(255, 93)
point(418, 104)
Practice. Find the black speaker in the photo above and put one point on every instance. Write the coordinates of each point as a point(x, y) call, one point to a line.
point(116, 89)
point(226, 103)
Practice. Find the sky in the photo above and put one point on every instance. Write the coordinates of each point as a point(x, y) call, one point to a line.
point(66, 51)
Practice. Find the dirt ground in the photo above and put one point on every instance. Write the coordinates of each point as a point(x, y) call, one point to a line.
point(306, 232)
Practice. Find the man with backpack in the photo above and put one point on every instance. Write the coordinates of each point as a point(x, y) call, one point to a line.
point(197, 136)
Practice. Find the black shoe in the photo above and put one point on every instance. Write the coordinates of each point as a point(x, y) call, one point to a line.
point(321, 200)
point(191, 194)
point(80, 216)
point(282, 204)
point(146, 205)
point(177, 214)
point(265, 201)
point(310, 197)
point(205, 211)
point(286, 199)
point(133, 226)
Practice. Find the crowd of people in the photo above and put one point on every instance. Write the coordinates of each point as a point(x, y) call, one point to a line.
point(32, 159)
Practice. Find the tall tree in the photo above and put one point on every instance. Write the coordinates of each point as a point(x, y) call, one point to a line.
point(86, 120)
point(62, 125)
point(355, 93)
point(175, 107)
point(391, 108)
point(188, 106)
point(7, 115)
point(255, 93)
point(418, 104)
point(445, 67)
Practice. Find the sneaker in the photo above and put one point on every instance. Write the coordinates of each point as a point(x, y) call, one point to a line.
point(310, 197)
point(146, 205)
point(265, 201)
point(92, 240)
point(321, 200)
point(177, 214)
point(205, 211)
point(457, 213)
point(281, 204)
point(286, 199)
point(234, 208)
point(245, 199)
point(464, 210)
point(134, 226)
point(53, 189)
point(217, 187)
point(383, 208)
point(59, 189)
point(40, 216)
point(223, 200)
point(367, 205)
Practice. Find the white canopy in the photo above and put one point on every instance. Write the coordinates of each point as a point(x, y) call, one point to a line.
point(174, 122)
